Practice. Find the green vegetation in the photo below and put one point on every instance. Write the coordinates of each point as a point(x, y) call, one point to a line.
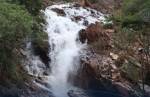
point(32, 6)
point(133, 23)
point(20, 20)
point(16, 26)
point(133, 37)
point(134, 13)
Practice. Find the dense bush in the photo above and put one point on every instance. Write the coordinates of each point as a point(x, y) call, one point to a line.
point(20, 20)
point(133, 33)
point(135, 13)
point(31, 5)
point(15, 27)
point(134, 21)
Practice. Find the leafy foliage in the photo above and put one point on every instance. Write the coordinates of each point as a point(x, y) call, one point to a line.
point(16, 25)
point(133, 32)
point(20, 20)
point(32, 6)
point(135, 12)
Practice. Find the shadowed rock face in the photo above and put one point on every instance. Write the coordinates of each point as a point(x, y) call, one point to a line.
point(89, 79)
point(42, 51)
point(99, 73)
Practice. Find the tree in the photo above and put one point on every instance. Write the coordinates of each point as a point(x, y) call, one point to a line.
point(16, 26)
point(33, 6)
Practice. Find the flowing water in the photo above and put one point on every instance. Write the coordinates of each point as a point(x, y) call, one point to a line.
point(65, 48)
point(63, 24)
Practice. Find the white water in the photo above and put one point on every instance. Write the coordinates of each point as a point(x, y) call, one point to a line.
point(65, 49)
point(33, 65)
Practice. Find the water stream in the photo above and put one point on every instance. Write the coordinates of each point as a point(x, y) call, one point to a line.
point(64, 21)
point(63, 39)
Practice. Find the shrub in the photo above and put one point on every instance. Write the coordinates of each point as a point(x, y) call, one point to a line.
point(16, 26)
point(134, 13)
point(133, 37)
point(33, 6)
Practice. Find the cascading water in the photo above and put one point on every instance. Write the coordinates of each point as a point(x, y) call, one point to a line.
point(64, 22)
point(64, 47)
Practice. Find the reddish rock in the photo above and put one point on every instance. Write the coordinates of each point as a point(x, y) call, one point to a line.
point(93, 33)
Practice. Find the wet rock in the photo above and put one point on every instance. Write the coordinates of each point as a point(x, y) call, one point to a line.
point(86, 23)
point(78, 18)
point(59, 11)
point(83, 36)
point(46, 72)
point(42, 51)
point(74, 93)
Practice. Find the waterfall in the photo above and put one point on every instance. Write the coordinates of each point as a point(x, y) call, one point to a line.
point(64, 45)
point(62, 34)
point(64, 22)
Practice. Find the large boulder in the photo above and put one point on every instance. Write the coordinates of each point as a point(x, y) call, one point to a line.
point(97, 36)
point(99, 72)
point(95, 71)
point(92, 33)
